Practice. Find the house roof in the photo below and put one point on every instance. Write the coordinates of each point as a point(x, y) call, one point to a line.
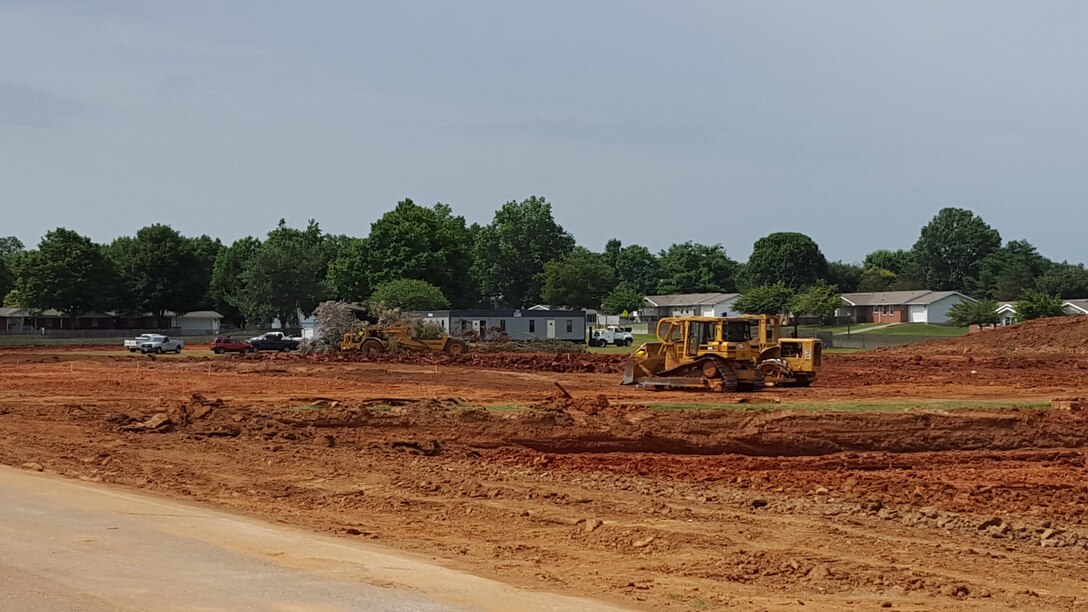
point(898, 298)
point(1006, 307)
point(203, 314)
point(526, 313)
point(1077, 304)
point(689, 299)
point(22, 312)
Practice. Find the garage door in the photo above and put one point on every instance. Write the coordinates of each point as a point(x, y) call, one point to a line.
point(918, 314)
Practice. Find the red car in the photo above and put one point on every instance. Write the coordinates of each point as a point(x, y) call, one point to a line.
point(230, 345)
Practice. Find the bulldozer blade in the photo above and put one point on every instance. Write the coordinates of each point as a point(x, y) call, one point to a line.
point(635, 371)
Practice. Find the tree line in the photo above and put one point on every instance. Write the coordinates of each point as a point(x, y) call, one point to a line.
point(420, 257)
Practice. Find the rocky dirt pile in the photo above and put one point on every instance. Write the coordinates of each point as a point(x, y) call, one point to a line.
point(1053, 336)
point(532, 362)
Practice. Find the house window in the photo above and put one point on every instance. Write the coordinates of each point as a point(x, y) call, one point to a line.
point(888, 310)
point(502, 324)
point(532, 325)
point(570, 326)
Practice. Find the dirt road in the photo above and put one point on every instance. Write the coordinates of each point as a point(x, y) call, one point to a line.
point(78, 546)
point(925, 507)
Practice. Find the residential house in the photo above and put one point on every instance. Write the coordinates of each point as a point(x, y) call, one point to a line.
point(689, 305)
point(1006, 313)
point(517, 324)
point(21, 320)
point(900, 306)
point(1075, 307)
point(198, 322)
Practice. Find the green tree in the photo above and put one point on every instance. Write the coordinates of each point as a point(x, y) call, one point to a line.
point(159, 271)
point(409, 294)
point(227, 288)
point(623, 298)
point(347, 278)
point(951, 246)
point(12, 299)
point(206, 250)
point(875, 279)
point(1006, 272)
point(1036, 304)
point(1065, 280)
point(790, 258)
point(510, 253)
point(285, 275)
point(580, 280)
point(612, 250)
point(688, 267)
point(820, 300)
point(897, 261)
point(429, 244)
point(67, 272)
point(769, 300)
point(969, 312)
point(10, 248)
point(638, 268)
point(845, 276)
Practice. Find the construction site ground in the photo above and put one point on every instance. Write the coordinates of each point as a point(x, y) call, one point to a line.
point(903, 480)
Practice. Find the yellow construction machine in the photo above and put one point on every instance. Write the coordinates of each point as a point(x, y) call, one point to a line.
point(697, 353)
point(371, 340)
point(784, 362)
point(722, 354)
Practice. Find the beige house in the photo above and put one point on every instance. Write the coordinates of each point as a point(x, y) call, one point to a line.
point(689, 305)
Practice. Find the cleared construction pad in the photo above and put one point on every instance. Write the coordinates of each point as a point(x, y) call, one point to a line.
point(900, 481)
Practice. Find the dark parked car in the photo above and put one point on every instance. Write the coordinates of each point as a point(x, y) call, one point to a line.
point(274, 341)
point(230, 345)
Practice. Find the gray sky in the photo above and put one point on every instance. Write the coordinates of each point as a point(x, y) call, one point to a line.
point(652, 122)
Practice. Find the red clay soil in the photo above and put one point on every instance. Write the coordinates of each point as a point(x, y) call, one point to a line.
point(534, 362)
point(1053, 336)
point(721, 508)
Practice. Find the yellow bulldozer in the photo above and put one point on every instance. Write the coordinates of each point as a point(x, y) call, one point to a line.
point(784, 362)
point(722, 354)
point(371, 340)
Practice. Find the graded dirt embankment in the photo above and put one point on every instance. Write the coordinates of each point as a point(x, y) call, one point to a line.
point(1053, 336)
point(724, 506)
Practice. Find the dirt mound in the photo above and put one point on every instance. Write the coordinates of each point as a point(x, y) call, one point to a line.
point(594, 425)
point(532, 362)
point(1053, 336)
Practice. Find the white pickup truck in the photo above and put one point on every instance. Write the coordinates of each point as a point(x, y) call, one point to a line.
point(613, 334)
point(134, 344)
point(157, 343)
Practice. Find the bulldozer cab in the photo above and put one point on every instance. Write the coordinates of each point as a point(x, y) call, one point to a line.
point(683, 339)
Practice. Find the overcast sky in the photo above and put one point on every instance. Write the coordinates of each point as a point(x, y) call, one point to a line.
point(652, 122)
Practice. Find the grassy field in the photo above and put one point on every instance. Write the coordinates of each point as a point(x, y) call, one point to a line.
point(812, 330)
point(922, 329)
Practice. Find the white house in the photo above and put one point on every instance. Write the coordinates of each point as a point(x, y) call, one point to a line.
point(1075, 307)
point(690, 305)
point(1006, 313)
point(200, 321)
